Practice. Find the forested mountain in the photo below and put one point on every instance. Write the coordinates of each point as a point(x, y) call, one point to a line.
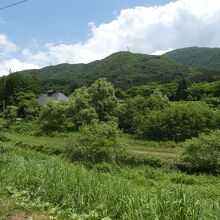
point(207, 60)
point(123, 69)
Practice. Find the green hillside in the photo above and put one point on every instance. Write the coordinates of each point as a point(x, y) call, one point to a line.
point(124, 69)
point(205, 59)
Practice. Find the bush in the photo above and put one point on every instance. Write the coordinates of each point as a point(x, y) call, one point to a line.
point(1, 115)
point(4, 138)
point(53, 117)
point(24, 127)
point(138, 106)
point(96, 142)
point(11, 113)
point(28, 106)
point(40, 148)
point(178, 122)
point(213, 102)
point(79, 110)
point(137, 160)
point(203, 153)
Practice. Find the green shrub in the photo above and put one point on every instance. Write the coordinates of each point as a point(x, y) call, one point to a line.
point(97, 142)
point(1, 114)
point(4, 138)
point(137, 160)
point(135, 108)
point(40, 148)
point(203, 153)
point(53, 117)
point(103, 98)
point(79, 110)
point(178, 122)
point(25, 127)
point(213, 102)
point(28, 106)
point(11, 112)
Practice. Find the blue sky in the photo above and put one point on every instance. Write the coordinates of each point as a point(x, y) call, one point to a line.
point(60, 20)
point(39, 33)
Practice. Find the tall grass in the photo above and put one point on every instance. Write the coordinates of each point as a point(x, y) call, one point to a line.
point(72, 187)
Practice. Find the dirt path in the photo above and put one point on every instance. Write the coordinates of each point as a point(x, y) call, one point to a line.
point(155, 152)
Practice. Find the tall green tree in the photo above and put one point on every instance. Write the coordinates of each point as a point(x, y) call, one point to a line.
point(28, 106)
point(182, 86)
point(53, 117)
point(80, 110)
point(103, 98)
point(11, 113)
point(2, 87)
point(17, 82)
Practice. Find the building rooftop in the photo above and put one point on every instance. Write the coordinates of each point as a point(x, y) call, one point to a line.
point(51, 94)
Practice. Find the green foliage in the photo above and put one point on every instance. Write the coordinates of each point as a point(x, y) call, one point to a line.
point(103, 98)
point(56, 186)
point(22, 127)
point(11, 112)
point(80, 110)
point(2, 87)
point(18, 82)
point(182, 86)
point(178, 122)
point(135, 108)
point(199, 90)
point(4, 138)
point(123, 69)
point(28, 107)
point(203, 153)
point(96, 142)
point(85, 104)
point(133, 160)
point(205, 59)
point(53, 116)
point(167, 89)
point(213, 102)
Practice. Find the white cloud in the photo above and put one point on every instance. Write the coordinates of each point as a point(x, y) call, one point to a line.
point(15, 65)
point(160, 52)
point(151, 30)
point(6, 46)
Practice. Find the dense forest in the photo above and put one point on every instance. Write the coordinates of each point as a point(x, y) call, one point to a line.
point(203, 59)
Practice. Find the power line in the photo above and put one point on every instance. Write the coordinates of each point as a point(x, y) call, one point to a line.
point(11, 5)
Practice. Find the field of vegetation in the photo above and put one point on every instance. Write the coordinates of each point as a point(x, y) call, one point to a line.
point(48, 186)
point(147, 151)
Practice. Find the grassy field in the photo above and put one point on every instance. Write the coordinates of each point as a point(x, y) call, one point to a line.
point(153, 149)
point(41, 185)
point(38, 182)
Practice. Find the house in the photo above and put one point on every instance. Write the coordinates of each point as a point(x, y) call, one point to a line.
point(58, 96)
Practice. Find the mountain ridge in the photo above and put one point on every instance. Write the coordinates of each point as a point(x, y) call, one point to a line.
point(123, 69)
point(205, 59)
